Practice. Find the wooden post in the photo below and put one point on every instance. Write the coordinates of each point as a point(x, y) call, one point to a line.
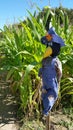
point(48, 122)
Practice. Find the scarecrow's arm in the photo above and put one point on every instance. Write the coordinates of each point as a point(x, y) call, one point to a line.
point(58, 66)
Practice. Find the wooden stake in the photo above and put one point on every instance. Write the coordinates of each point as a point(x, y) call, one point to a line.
point(48, 122)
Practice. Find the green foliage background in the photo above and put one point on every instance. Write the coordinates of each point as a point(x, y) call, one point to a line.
point(22, 52)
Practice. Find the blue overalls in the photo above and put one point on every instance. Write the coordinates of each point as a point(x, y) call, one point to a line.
point(49, 79)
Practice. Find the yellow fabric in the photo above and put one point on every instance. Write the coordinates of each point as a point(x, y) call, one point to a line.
point(48, 52)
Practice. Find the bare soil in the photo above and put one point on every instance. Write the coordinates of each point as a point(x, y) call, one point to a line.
point(8, 107)
point(58, 121)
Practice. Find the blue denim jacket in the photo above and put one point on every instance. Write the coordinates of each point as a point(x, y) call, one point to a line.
point(50, 72)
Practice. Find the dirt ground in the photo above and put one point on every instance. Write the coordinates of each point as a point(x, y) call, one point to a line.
point(58, 121)
point(8, 107)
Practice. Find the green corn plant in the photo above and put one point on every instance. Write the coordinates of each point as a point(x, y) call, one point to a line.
point(22, 50)
point(67, 91)
point(26, 88)
point(23, 53)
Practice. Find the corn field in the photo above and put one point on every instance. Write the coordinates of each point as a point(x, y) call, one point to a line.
point(21, 54)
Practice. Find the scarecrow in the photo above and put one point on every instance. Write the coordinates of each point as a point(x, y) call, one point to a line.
point(51, 70)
